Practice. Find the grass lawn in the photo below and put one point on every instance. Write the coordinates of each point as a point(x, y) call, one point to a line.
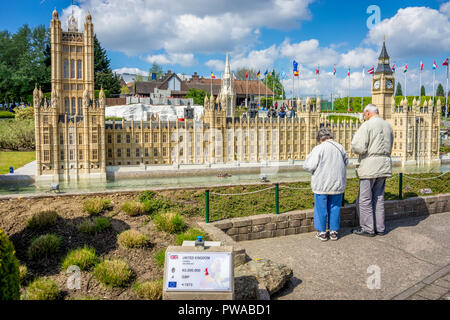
point(15, 159)
point(192, 202)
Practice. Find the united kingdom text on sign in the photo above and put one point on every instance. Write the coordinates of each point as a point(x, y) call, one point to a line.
point(198, 271)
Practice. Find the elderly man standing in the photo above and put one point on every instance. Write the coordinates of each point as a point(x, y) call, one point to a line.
point(373, 144)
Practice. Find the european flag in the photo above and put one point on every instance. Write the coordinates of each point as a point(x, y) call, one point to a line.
point(153, 76)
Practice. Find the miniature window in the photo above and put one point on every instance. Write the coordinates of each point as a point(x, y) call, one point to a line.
point(46, 155)
point(62, 155)
point(80, 138)
point(94, 154)
point(72, 69)
point(138, 152)
point(70, 138)
point(79, 69)
point(109, 138)
point(128, 138)
point(128, 153)
point(119, 138)
point(74, 106)
point(119, 153)
point(136, 138)
point(66, 69)
point(80, 154)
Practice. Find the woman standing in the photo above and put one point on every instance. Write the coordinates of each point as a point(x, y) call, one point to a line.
point(327, 162)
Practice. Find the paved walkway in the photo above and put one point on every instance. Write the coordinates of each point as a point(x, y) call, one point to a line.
point(413, 261)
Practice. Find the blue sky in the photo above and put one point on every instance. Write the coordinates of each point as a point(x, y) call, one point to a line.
point(259, 34)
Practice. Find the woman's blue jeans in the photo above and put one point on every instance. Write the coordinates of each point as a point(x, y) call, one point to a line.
point(327, 205)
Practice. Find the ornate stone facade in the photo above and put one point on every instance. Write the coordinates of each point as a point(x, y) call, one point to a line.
point(73, 141)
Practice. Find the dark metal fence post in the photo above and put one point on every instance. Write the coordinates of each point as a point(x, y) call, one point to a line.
point(207, 206)
point(400, 186)
point(343, 199)
point(277, 200)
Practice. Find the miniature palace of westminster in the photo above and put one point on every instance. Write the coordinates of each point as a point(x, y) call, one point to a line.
point(74, 141)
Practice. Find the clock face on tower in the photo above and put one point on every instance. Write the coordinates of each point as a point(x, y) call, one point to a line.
point(376, 85)
point(389, 84)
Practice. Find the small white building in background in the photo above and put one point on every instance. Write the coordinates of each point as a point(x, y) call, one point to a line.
point(139, 111)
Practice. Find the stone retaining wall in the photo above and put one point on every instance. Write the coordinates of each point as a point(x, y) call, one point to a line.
point(272, 225)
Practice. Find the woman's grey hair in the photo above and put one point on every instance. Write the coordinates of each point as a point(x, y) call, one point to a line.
point(324, 133)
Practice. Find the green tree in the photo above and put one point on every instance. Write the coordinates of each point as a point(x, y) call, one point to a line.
point(440, 91)
point(139, 78)
point(272, 81)
point(197, 94)
point(103, 75)
point(240, 74)
point(156, 68)
point(24, 61)
point(124, 90)
point(422, 91)
point(399, 91)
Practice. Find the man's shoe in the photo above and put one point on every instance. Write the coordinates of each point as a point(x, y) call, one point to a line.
point(381, 233)
point(361, 232)
point(322, 236)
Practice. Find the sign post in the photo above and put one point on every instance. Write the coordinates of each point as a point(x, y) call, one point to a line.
point(198, 273)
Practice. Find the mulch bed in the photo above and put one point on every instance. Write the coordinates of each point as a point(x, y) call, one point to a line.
point(14, 214)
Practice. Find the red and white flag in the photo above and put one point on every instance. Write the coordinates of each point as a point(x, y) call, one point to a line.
point(421, 65)
point(445, 62)
point(371, 71)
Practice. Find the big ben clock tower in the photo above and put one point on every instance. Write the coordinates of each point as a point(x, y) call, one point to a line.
point(383, 83)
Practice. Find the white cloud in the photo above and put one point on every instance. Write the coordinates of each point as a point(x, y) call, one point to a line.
point(142, 26)
point(414, 31)
point(445, 8)
point(183, 59)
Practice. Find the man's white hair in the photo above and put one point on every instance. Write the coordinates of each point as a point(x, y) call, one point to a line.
point(371, 108)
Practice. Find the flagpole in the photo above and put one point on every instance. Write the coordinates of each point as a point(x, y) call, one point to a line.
point(362, 97)
point(293, 88)
point(332, 89)
point(246, 94)
point(434, 79)
point(273, 87)
point(259, 92)
point(446, 98)
point(420, 84)
point(405, 82)
point(348, 98)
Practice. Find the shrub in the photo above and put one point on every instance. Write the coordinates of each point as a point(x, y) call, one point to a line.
point(133, 208)
point(95, 206)
point(42, 289)
point(94, 226)
point(9, 270)
point(17, 134)
point(153, 203)
point(6, 114)
point(150, 290)
point(190, 234)
point(113, 273)
point(44, 246)
point(24, 113)
point(160, 256)
point(23, 273)
point(43, 219)
point(132, 239)
point(170, 222)
point(84, 258)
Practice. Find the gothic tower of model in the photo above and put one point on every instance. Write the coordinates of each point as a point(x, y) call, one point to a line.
point(227, 95)
point(70, 128)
